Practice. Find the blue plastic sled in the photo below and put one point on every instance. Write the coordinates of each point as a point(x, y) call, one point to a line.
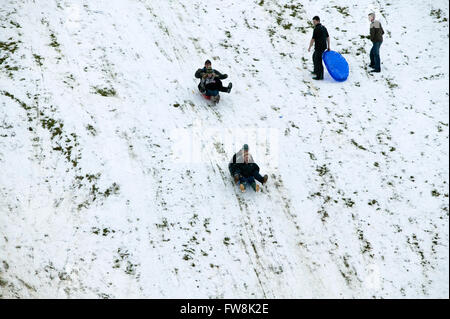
point(336, 65)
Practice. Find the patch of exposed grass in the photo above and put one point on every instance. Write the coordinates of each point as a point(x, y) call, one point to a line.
point(3, 282)
point(435, 193)
point(164, 224)
point(54, 42)
point(391, 84)
point(7, 49)
point(91, 130)
point(12, 97)
point(10, 46)
point(105, 91)
point(348, 202)
point(322, 170)
point(38, 59)
point(342, 10)
point(16, 24)
point(358, 145)
point(53, 126)
point(438, 14)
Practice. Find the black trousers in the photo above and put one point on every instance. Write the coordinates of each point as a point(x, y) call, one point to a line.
point(235, 170)
point(216, 86)
point(318, 66)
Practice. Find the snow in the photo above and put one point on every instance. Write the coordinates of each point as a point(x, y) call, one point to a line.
point(114, 176)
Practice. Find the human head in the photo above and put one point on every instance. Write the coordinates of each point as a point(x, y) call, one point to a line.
point(207, 63)
point(316, 20)
point(209, 71)
point(245, 149)
point(371, 16)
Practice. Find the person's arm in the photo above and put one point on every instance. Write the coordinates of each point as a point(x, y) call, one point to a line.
point(198, 73)
point(311, 43)
point(220, 75)
point(372, 33)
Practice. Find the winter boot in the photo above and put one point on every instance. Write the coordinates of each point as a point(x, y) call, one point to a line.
point(236, 178)
point(242, 188)
point(229, 87)
point(255, 187)
point(265, 178)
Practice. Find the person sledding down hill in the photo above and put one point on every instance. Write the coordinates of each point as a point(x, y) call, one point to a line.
point(210, 81)
point(244, 170)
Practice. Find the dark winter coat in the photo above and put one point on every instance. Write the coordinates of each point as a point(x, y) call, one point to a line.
point(376, 31)
point(199, 75)
point(200, 72)
point(237, 165)
point(320, 36)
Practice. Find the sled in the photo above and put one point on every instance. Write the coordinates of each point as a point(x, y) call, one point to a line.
point(336, 65)
point(213, 98)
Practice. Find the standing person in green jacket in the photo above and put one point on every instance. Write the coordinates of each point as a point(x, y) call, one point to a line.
point(376, 36)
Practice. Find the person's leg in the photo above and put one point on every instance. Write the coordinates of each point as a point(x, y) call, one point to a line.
point(246, 180)
point(319, 65)
point(253, 184)
point(314, 62)
point(243, 181)
point(258, 177)
point(211, 89)
point(209, 92)
point(372, 59)
point(316, 66)
point(376, 54)
point(212, 86)
point(234, 171)
point(221, 88)
point(249, 181)
point(219, 85)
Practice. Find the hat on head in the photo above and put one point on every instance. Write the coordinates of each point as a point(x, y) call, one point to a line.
point(207, 62)
point(245, 147)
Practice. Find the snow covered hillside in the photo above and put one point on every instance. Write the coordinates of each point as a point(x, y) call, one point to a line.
point(114, 180)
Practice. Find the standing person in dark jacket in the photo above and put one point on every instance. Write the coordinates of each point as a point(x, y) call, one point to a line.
point(376, 36)
point(244, 170)
point(321, 39)
point(208, 75)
